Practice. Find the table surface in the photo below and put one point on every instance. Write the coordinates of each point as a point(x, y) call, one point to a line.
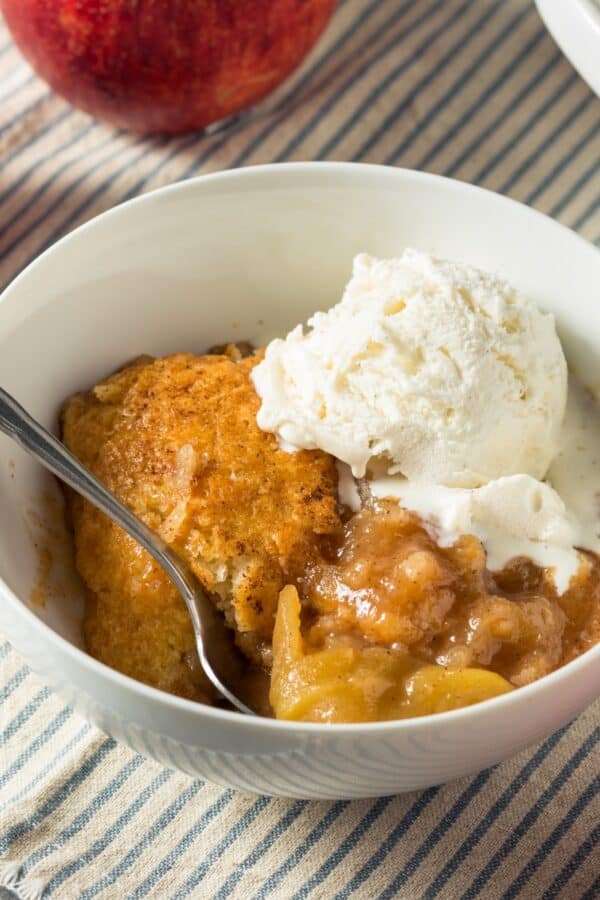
point(474, 89)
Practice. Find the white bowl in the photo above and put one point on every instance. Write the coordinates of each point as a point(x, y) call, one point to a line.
point(575, 26)
point(210, 260)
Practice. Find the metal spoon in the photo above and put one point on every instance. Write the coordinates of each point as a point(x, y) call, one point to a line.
point(214, 641)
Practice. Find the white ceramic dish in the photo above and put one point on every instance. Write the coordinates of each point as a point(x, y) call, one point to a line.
point(575, 26)
point(210, 260)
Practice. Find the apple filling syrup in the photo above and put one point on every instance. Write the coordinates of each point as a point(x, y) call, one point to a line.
point(394, 625)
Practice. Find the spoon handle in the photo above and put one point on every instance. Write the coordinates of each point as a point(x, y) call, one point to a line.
point(51, 453)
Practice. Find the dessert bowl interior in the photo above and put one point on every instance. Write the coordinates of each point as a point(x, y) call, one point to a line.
point(246, 255)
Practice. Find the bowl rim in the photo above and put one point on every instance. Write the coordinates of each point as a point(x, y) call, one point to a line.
point(572, 27)
point(194, 708)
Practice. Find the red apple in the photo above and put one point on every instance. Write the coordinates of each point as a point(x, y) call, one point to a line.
point(165, 65)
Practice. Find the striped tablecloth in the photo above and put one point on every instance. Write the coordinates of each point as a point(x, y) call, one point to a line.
point(474, 89)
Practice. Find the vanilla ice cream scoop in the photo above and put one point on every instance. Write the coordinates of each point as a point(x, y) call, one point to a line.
point(443, 372)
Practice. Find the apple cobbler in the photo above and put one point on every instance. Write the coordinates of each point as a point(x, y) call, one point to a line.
point(342, 616)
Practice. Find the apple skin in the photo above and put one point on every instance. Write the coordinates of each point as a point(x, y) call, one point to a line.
point(165, 66)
